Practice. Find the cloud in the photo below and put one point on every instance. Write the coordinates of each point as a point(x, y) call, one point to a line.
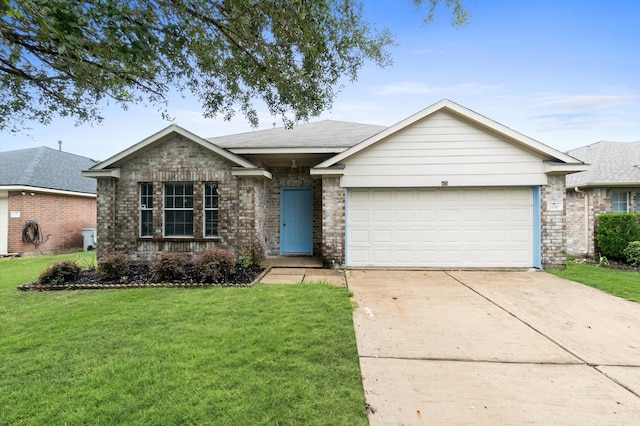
point(586, 101)
point(426, 51)
point(416, 87)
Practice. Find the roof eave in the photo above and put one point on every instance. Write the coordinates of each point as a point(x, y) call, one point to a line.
point(38, 189)
point(101, 174)
point(255, 172)
point(334, 171)
point(298, 150)
point(560, 168)
point(604, 185)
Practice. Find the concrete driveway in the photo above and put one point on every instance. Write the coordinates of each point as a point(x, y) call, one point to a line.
point(508, 348)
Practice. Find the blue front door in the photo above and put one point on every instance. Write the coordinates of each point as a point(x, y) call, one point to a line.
point(296, 220)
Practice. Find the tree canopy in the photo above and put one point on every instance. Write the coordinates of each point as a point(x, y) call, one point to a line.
point(71, 57)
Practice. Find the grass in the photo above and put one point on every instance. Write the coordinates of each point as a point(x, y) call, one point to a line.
point(623, 284)
point(164, 356)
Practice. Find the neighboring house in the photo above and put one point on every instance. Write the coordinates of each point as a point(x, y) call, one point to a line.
point(446, 187)
point(46, 187)
point(611, 185)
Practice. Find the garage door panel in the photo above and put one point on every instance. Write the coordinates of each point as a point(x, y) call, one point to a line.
point(382, 236)
point(483, 227)
point(405, 236)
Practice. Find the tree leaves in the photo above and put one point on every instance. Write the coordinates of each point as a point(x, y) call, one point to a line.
point(69, 57)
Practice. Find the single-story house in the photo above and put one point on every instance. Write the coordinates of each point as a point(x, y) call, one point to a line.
point(446, 187)
point(611, 185)
point(44, 195)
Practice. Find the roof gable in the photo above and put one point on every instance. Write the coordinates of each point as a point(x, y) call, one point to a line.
point(46, 168)
point(463, 114)
point(612, 164)
point(163, 135)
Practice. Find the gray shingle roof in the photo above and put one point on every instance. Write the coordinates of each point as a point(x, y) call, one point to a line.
point(611, 163)
point(46, 168)
point(320, 134)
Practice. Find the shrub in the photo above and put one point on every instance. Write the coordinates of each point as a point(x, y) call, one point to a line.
point(169, 267)
point(615, 231)
point(215, 265)
point(245, 257)
point(632, 253)
point(114, 266)
point(60, 272)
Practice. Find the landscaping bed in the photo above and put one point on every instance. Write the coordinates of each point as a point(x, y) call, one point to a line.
point(140, 276)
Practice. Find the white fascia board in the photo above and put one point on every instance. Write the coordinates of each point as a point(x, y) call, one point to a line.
point(474, 117)
point(605, 185)
point(326, 171)
point(12, 188)
point(292, 151)
point(167, 131)
point(105, 173)
point(553, 167)
point(239, 172)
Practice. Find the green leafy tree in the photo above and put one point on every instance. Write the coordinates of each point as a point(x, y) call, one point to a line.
point(71, 57)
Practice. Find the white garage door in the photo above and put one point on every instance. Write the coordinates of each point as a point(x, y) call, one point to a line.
point(484, 227)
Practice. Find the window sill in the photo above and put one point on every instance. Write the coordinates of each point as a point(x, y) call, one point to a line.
point(178, 239)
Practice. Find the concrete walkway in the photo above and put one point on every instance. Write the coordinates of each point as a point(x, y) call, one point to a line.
point(494, 348)
point(299, 269)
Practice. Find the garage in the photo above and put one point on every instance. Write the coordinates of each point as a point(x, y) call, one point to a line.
point(440, 227)
point(446, 188)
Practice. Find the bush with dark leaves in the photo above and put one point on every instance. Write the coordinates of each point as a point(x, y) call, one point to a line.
point(60, 272)
point(169, 266)
point(114, 266)
point(215, 265)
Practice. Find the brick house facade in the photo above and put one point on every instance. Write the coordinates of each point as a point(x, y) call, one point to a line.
point(45, 186)
point(142, 190)
point(612, 184)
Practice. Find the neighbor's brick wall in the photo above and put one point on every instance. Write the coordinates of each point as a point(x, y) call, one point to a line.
point(599, 201)
point(333, 221)
point(175, 160)
point(576, 244)
point(61, 216)
point(553, 224)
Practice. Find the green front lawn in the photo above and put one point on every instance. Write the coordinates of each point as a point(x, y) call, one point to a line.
point(239, 356)
point(619, 283)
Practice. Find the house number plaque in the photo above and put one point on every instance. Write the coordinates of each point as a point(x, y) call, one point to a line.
point(554, 207)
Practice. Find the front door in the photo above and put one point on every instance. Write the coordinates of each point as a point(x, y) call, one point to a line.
point(296, 221)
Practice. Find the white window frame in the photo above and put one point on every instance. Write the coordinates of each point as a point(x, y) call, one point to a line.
point(209, 208)
point(614, 201)
point(185, 200)
point(145, 206)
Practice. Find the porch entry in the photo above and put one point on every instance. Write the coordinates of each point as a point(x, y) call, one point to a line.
point(296, 220)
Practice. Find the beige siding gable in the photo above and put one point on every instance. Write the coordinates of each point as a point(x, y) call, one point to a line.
point(443, 148)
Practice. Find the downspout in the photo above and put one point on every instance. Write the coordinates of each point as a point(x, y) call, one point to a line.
point(586, 219)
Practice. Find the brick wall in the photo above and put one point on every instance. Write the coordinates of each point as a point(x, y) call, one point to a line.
point(333, 221)
point(553, 224)
point(177, 159)
point(61, 216)
point(576, 226)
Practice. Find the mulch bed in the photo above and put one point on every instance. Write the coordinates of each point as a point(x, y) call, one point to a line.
point(140, 276)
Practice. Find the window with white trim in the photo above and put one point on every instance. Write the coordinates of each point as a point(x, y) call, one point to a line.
point(146, 209)
point(620, 202)
point(178, 209)
point(211, 209)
